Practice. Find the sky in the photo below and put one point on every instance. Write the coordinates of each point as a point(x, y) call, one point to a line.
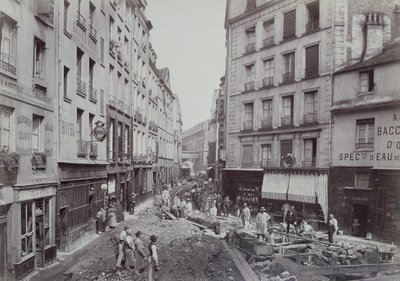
point(189, 38)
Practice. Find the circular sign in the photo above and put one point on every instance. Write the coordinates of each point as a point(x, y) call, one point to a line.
point(99, 133)
point(288, 160)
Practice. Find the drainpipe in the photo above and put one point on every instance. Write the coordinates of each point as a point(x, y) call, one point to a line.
point(58, 84)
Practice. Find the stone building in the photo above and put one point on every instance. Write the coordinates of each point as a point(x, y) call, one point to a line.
point(278, 85)
point(366, 103)
point(28, 102)
point(195, 146)
point(281, 56)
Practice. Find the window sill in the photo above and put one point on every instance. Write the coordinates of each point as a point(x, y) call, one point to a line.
point(249, 53)
point(83, 95)
point(364, 150)
point(93, 100)
point(248, 91)
point(8, 74)
point(37, 81)
point(362, 94)
point(69, 35)
point(267, 47)
point(357, 188)
point(310, 77)
point(287, 83)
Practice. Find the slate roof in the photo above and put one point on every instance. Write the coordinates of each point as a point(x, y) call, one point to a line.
point(389, 54)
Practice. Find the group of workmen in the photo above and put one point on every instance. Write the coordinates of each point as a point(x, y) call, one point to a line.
point(131, 253)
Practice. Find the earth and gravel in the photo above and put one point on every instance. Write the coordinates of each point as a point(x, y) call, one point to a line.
point(185, 253)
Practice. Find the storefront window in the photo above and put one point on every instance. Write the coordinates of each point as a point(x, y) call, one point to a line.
point(26, 229)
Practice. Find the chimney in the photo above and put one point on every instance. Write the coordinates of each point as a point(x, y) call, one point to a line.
point(374, 35)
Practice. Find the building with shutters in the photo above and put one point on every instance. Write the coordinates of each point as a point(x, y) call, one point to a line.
point(28, 103)
point(280, 59)
point(195, 146)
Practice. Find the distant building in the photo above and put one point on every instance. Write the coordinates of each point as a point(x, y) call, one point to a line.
point(195, 146)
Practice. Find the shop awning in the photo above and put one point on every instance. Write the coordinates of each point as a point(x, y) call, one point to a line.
point(275, 186)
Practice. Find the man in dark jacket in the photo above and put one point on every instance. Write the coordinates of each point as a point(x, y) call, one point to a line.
point(291, 218)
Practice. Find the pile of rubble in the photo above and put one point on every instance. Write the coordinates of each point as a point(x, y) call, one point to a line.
point(271, 271)
point(345, 254)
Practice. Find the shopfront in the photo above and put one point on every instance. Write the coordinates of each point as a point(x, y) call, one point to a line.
point(33, 229)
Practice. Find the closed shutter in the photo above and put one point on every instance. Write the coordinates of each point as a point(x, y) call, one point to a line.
point(312, 60)
point(247, 156)
point(43, 6)
point(289, 24)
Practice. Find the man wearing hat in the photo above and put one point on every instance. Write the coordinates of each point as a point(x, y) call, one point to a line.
point(153, 258)
point(121, 250)
point(262, 222)
point(139, 253)
point(245, 215)
point(291, 218)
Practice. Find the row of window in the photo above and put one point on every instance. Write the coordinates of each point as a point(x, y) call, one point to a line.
point(287, 103)
point(289, 27)
point(286, 146)
point(288, 70)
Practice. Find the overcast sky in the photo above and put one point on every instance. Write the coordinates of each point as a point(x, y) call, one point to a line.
point(189, 38)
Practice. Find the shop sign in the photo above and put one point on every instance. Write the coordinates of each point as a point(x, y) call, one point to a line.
point(99, 132)
point(30, 194)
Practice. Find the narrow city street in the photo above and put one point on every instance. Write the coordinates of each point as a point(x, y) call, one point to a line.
point(185, 253)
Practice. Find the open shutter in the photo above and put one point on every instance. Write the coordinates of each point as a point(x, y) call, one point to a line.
point(51, 12)
point(43, 7)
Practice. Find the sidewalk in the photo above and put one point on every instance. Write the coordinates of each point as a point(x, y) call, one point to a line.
point(59, 270)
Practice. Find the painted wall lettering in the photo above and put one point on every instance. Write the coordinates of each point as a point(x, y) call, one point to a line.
point(67, 128)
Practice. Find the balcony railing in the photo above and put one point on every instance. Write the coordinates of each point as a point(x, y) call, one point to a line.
point(312, 25)
point(92, 93)
point(287, 121)
point(250, 47)
point(360, 145)
point(144, 158)
point(5, 64)
point(266, 123)
point(93, 149)
point(119, 105)
point(288, 77)
point(80, 87)
point(248, 125)
point(311, 117)
point(266, 163)
point(92, 33)
point(268, 41)
point(81, 21)
point(311, 72)
point(309, 163)
point(249, 86)
point(268, 82)
point(82, 148)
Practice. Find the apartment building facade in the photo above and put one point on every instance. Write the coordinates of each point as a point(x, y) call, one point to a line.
point(28, 99)
point(366, 102)
point(278, 88)
point(73, 76)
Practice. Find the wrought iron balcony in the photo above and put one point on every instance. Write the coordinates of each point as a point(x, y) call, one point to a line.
point(248, 125)
point(81, 21)
point(265, 163)
point(92, 32)
point(287, 121)
point(361, 145)
point(312, 25)
point(311, 72)
point(82, 148)
point(310, 117)
point(80, 87)
point(144, 158)
point(288, 77)
point(268, 41)
point(250, 47)
point(268, 82)
point(92, 93)
point(309, 163)
point(93, 149)
point(266, 123)
point(249, 86)
point(5, 63)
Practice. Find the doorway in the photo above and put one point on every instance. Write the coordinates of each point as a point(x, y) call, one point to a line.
point(63, 219)
point(360, 220)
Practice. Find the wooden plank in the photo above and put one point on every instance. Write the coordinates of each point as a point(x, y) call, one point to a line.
point(343, 269)
point(171, 216)
point(382, 278)
point(241, 264)
point(197, 224)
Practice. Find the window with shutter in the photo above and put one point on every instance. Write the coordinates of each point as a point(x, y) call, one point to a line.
point(44, 9)
point(365, 133)
point(312, 61)
point(289, 71)
point(8, 44)
point(287, 108)
point(247, 156)
point(367, 81)
point(286, 147)
point(289, 24)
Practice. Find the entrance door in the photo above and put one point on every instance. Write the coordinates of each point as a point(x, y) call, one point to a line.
point(360, 214)
point(39, 231)
point(63, 219)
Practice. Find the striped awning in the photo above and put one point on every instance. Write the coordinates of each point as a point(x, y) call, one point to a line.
point(275, 186)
